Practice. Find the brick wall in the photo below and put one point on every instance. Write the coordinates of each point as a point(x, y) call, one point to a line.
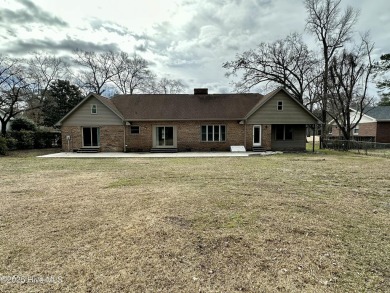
point(189, 136)
point(383, 132)
point(75, 141)
point(266, 141)
point(141, 142)
point(111, 138)
point(367, 129)
point(335, 131)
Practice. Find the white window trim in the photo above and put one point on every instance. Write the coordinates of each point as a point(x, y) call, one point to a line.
point(207, 133)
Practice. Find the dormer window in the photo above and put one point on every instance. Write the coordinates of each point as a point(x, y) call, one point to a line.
point(93, 109)
point(280, 106)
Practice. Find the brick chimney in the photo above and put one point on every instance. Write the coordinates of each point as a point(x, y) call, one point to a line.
point(201, 91)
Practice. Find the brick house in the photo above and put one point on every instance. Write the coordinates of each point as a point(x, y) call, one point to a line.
point(180, 122)
point(374, 125)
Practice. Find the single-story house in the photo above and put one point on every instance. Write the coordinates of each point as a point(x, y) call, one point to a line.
point(373, 126)
point(182, 122)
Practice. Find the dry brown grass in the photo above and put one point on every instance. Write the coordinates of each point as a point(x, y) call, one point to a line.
point(287, 223)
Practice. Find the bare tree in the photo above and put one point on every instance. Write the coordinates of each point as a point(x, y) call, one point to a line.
point(332, 29)
point(42, 70)
point(349, 74)
point(14, 88)
point(131, 73)
point(96, 70)
point(287, 62)
point(167, 86)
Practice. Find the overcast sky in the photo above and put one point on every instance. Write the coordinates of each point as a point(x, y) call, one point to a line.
point(183, 39)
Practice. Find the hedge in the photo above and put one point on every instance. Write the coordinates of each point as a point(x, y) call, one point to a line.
point(26, 139)
point(3, 145)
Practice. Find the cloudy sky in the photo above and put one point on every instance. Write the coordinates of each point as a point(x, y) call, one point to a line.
point(182, 39)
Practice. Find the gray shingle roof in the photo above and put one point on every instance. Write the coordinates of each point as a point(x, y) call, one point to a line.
point(380, 113)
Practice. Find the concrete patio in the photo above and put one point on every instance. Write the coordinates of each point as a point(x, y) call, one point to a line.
point(157, 155)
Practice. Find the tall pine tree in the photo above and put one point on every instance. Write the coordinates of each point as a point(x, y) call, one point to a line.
point(383, 84)
point(61, 98)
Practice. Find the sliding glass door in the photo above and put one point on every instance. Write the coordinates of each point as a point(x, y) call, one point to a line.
point(91, 136)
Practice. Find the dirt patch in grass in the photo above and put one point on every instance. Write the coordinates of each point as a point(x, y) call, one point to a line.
point(289, 223)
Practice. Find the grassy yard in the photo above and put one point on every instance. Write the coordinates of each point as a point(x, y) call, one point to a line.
point(284, 223)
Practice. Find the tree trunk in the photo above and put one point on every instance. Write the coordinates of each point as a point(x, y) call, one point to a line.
point(324, 97)
point(3, 128)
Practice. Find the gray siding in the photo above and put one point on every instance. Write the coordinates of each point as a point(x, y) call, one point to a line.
point(292, 113)
point(83, 117)
point(298, 143)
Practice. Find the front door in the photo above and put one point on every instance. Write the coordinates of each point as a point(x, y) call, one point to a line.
point(257, 135)
point(91, 136)
point(165, 137)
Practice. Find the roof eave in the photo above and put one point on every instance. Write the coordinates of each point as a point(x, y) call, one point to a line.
point(183, 119)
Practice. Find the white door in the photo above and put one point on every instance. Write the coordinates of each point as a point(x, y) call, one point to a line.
point(256, 135)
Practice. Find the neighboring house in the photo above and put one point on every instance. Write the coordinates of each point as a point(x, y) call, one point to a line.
point(180, 122)
point(374, 125)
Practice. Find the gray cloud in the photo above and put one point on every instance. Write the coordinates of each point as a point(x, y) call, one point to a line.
point(29, 14)
point(22, 47)
point(111, 27)
point(215, 32)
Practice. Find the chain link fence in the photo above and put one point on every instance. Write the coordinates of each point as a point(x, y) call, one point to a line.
point(361, 147)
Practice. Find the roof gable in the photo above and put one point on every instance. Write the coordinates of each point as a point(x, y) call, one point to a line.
point(106, 102)
point(297, 112)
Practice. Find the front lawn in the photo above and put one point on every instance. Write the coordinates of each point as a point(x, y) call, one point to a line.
point(283, 223)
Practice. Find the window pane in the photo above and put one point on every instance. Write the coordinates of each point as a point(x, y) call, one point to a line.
point(223, 133)
point(95, 136)
point(160, 136)
point(288, 132)
point(210, 133)
point(204, 133)
point(256, 135)
point(168, 136)
point(134, 129)
point(87, 136)
point(279, 129)
point(280, 105)
point(216, 132)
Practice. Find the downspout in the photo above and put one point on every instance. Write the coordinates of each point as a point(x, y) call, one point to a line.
point(245, 133)
point(124, 136)
point(314, 135)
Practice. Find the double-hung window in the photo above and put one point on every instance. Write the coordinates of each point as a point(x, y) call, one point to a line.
point(213, 132)
point(93, 109)
point(280, 106)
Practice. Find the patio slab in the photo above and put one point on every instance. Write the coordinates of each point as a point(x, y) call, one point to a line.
point(157, 155)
